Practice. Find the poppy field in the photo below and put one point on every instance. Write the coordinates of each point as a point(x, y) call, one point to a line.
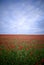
point(21, 49)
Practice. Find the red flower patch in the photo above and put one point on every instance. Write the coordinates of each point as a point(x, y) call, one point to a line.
point(20, 47)
point(36, 64)
point(27, 49)
point(42, 60)
point(0, 42)
point(12, 46)
point(31, 53)
point(0, 48)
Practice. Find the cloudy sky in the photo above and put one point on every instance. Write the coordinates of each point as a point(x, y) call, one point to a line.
point(21, 16)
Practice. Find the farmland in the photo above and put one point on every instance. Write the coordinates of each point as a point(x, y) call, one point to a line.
point(21, 49)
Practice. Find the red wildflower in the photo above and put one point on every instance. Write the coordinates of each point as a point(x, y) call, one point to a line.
point(27, 49)
point(0, 42)
point(36, 64)
point(12, 46)
point(0, 48)
point(30, 47)
point(43, 60)
point(20, 47)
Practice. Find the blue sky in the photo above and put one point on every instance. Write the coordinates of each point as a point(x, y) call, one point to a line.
point(21, 16)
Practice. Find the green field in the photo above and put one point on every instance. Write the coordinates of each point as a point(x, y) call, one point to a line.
point(23, 53)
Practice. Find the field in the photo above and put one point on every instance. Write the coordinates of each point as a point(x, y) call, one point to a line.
point(21, 49)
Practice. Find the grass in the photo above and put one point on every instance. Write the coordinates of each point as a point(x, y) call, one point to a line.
point(22, 54)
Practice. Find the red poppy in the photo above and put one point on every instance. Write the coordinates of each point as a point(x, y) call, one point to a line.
point(12, 46)
point(30, 47)
point(43, 60)
point(20, 47)
point(27, 49)
point(36, 64)
point(0, 48)
point(0, 42)
point(6, 43)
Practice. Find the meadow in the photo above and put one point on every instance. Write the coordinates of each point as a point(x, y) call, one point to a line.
point(21, 50)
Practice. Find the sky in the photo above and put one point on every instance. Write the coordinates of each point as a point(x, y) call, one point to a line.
point(21, 16)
